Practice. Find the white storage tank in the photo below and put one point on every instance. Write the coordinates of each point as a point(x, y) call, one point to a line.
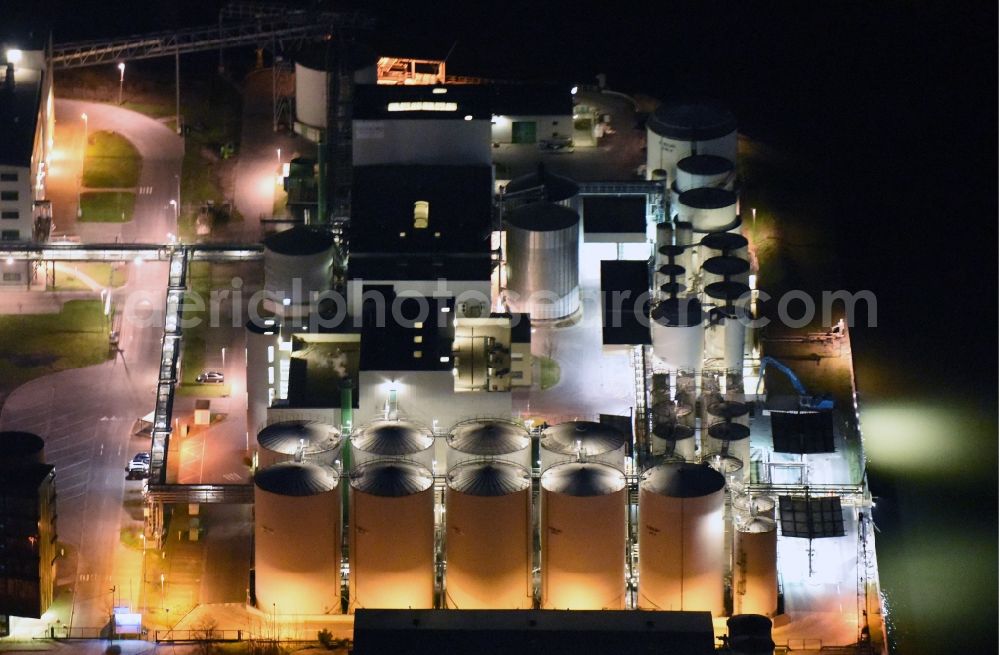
point(583, 537)
point(747, 507)
point(673, 440)
point(576, 440)
point(699, 171)
point(755, 568)
point(391, 536)
point(297, 528)
point(494, 439)
point(681, 538)
point(543, 251)
point(677, 328)
point(726, 429)
point(298, 265)
point(397, 439)
point(489, 541)
point(312, 78)
point(708, 209)
point(725, 337)
point(306, 440)
point(676, 131)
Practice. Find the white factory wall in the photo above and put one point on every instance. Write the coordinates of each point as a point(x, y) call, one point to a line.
point(592, 254)
point(426, 397)
point(441, 142)
point(546, 127)
point(310, 97)
point(470, 291)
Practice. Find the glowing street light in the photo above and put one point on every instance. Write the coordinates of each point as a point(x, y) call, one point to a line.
point(121, 80)
point(173, 203)
point(79, 190)
point(279, 154)
point(14, 56)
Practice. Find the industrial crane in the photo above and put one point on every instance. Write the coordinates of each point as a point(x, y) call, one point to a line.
point(806, 401)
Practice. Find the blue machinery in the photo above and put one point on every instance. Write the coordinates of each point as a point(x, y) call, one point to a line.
point(806, 401)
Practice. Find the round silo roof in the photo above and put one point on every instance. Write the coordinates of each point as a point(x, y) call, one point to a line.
point(17, 444)
point(682, 480)
point(726, 290)
point(708, 197)
point(287, 437)
point(323, 56)
point(557, 187)
point(584, 437)
point(488, 478)
point(728, 431)
point(728, 409)
point(488, 437)
point(692, 122)
point(392, 438)
point(726, 265)
point(391, 479)
point(706, 165)
point(724, 241)
point(757, 525)
point(297, 479)
point(583, 479)
point(678, 312)
point(673, 431)
point(299, 240)
point(542, 217)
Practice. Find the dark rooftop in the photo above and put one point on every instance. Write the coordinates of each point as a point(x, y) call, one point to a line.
point(323, 56)
point(371, 101)
point(387, 341)
point(623, 322)
point(23, 481)
point(386, 245)
point(554, 632)
point(614, 214)
point(532, 100)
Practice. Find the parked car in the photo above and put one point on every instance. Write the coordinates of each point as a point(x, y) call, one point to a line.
point(138, 467)
point(211, 377)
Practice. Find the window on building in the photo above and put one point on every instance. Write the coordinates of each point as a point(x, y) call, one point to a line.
point(10, 213)
point(517, 357)
point(421, 214)
point(11, 277)
point(8, 195)
point(8, 177)
point(517, 375)
point(10, 235)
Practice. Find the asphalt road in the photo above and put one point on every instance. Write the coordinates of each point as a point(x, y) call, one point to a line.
point(86, 415)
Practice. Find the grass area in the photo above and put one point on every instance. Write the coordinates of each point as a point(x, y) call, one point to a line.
point(213, 116)
point(151, 109)
point(193, 349)
point(111, 162)
point(550, 372)
point(33, 345)
point(103, 273)
point(106, 206)
point(202, 390)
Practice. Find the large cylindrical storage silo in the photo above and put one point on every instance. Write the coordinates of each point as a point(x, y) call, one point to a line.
point(726, 429)
point(583, 537)
point(391, 544)
point(297, 527)
point(21, 448)
point(489, 541)
point(747, 507)
point(555, 188)
point(307, 440)
point(493, 439)
point(397, 439)
point(262, 384)
point(725, 337)
point(574, 440)
point(676, 131)
point(673, 440)
point(312, 78)
point(698, 171)
point(681, 547)
point(708, 209)
point(298, 265)
point(543, 251)
point(677, 330)
point(755, 568)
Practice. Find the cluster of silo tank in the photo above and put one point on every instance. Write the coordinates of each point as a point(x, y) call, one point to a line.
point(488, 530)
point(701, 267)
point(541, 219)
point(298, 518)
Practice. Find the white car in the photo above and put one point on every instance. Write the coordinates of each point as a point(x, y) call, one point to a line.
point(211, 377)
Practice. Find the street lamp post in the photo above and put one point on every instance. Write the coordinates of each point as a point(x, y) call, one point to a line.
point(121, 80)
point(79, 190)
